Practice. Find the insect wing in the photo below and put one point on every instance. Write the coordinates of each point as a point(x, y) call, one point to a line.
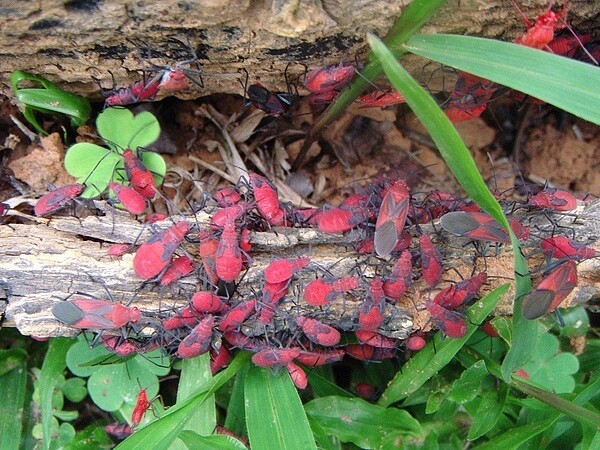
point(474, 225)
point(391, 220)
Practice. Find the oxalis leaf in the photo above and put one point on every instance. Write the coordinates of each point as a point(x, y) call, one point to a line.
point(96, 166)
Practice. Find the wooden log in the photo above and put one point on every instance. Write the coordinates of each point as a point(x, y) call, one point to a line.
point(70, 41)
point(42, 263)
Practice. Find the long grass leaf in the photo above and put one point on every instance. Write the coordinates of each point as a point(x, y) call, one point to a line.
point(568, 84)
point(53, 366)
point(274, 414)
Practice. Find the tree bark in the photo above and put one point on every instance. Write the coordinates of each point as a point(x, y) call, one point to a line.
point(42, 263)
point(70, 41)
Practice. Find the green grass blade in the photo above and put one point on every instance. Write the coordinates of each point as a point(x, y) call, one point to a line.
point(13, 365)
point(53, 366)
point(436, 354)
point(194, 373)
point(274, 414)
point(568, 84)
point(460, 162)
point(447, 139)
point(161, 433)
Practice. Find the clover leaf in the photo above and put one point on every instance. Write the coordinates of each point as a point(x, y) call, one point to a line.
point(95, 166)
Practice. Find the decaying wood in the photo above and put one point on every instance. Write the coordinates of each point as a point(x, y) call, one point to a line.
point(41, 264)
point(70, 41)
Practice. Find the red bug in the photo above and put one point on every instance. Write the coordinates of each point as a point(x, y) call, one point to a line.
point(366, 391)
point(431, 264)
point(219, 359)
point(138, 92)
point(179, 268)
point(228, 263)
point(207, 250)
point(236, 316)
point(391, 218)
point(282, 270)
point(318, 332)
point(139, 176)
point(118, 345)
point(540, 34)
point(119, 430)
point(227, 197)
point(460, 293)
point(366, 352)
point(551, 291)
point(173, 80)
point(207, 302)
point(240, 340)
point(370, 316)
point(489, 329)
point(118, 249)
point(307, 215)
point(267, 200)
point(474, 225)
point(95, 314)
point(155, 217)
point(521, 231)
point(345, 284)
point(323, 290)
point(561, 247)
point(331, 78)
point(272, 357)
point(57, 199)
point(415, 342)
point(400, 277)
point(381, 99)
point(375, 339)
point(129, 198)
point(339, 220)
point(469, 97)
point(184, 317)
point(320, 357)
point(450, 322)
point(155, 254)
point(233, 212)
point(297, 375)
point(272, 293)
point(568, 45)
point(199, 340)
point(376, 293)
point(317, 292)
point(273, 103)
point(321, 98)
point(141, 406)
point(555, 199)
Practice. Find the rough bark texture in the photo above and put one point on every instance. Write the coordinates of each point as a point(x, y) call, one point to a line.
point(70, 41)
point(42, 264)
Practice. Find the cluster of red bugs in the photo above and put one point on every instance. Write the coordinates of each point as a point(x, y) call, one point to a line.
point(134, 197)
point(292, 322)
